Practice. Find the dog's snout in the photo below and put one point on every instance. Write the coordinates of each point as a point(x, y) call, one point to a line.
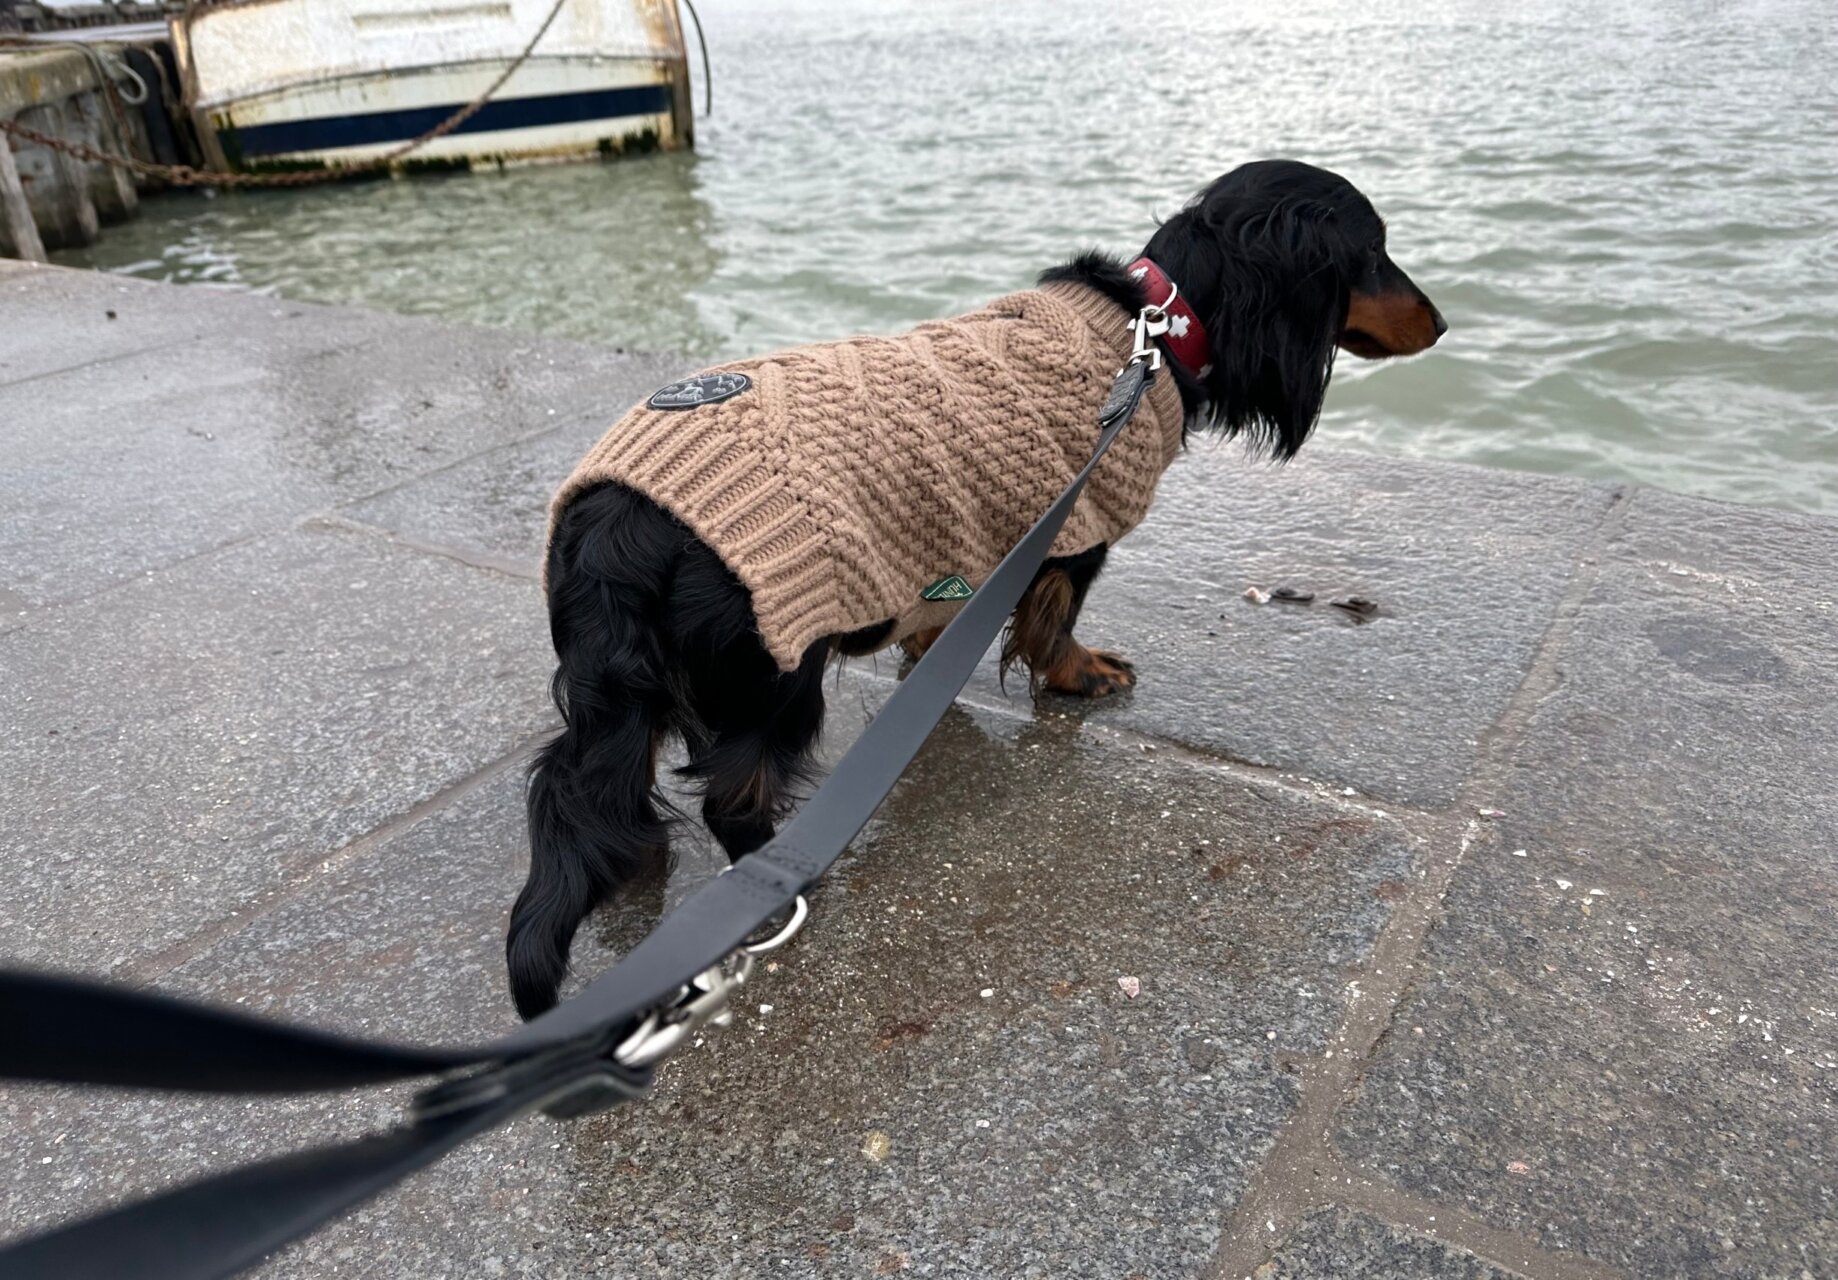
point(1400, 322)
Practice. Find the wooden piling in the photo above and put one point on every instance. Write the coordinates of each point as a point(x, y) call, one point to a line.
point(17, 230)
point(111, 188)
point(55, 184)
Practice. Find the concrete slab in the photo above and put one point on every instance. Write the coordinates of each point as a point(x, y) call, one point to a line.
point(1629, 1045)
point(197, 419)
point(1466, 566)
point(1336, 1245)
point(873, 1109)
point(179, 748)
point(495, 505)
point(885, 1113)
point(64, 322)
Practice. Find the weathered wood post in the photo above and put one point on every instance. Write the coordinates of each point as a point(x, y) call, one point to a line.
point(55, 184)
point(17, 230)
point(111, 187)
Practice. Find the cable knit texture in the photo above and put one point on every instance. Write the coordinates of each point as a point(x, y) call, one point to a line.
point(853, 475)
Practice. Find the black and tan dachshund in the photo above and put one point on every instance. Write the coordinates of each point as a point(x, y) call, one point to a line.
point(1282, 264)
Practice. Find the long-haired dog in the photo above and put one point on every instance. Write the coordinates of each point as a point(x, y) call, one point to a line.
point(1282, 264)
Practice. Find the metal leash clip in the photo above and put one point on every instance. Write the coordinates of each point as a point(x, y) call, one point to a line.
point(1152, 322)
point(594, 1073)
point(704, 1000)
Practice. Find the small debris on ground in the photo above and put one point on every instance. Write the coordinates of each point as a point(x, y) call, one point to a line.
point(1131, 987)
point(1290, 595)
point(1491, 813)
point(1519, 1166)
point(1357, 607)
point(1256, 595)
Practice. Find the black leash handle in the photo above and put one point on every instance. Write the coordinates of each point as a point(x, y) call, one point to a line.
point(73, 1031)
point(222, 1224)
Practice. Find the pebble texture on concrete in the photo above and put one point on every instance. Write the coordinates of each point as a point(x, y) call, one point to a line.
point(1336, 1245)
point(272, 655)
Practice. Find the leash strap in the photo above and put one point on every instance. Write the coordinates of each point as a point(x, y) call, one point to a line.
point(587, 1054)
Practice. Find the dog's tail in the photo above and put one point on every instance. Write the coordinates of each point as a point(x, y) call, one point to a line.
point(594, 821)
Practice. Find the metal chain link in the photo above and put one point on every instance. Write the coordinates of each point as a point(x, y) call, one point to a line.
point(184, 175)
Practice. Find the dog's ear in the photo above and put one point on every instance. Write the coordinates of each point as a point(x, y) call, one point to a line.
point(1267, 279)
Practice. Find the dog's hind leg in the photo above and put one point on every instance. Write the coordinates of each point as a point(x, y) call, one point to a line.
point(749, 727)
point(758, 747)
point(1040, 633)
point(594, 818)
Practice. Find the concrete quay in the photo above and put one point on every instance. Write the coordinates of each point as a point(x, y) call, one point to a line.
point(1491, 938)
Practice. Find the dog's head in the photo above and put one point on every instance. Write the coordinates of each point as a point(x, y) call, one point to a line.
point(1284, 263)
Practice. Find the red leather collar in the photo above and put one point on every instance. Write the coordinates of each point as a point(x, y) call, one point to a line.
point(1185, 342)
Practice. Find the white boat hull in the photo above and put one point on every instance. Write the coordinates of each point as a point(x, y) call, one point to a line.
point(299, 83)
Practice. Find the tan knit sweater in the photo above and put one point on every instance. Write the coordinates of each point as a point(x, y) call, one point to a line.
point(850, 477)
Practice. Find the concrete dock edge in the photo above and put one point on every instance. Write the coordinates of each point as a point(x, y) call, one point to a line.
point(1491, 937)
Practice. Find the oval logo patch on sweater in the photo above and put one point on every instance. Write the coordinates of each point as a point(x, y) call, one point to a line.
point(706, 388)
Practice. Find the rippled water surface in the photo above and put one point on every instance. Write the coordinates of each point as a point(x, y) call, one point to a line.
point(1629, 212)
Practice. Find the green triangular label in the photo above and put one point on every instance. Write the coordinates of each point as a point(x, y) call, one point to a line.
point(951, 588)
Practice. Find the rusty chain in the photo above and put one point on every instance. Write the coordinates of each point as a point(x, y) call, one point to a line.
point(184, 175)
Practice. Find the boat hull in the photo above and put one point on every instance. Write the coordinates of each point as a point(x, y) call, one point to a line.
point(304, 83)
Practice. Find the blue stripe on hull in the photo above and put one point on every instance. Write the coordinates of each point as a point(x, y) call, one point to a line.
point(328, 133)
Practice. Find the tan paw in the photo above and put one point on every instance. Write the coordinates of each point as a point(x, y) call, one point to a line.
point(1091, 673)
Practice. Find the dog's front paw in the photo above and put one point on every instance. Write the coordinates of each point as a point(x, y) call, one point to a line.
point(1091, 673)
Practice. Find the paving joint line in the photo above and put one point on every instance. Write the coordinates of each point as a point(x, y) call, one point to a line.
point(491, 561)
point(574, 415)
point(1248, 772)
point(302, 873)
point(1304, 1169)
point(99, 361)
point(122, 584)
point(1497, 741)
point(1453, 1225)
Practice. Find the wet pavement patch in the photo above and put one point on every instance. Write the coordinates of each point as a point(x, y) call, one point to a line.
point(1628, 1045)
point(215, 418)
point(1466, 567)
point(942, 1069)
point(947, 1060)
point(180, 747)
